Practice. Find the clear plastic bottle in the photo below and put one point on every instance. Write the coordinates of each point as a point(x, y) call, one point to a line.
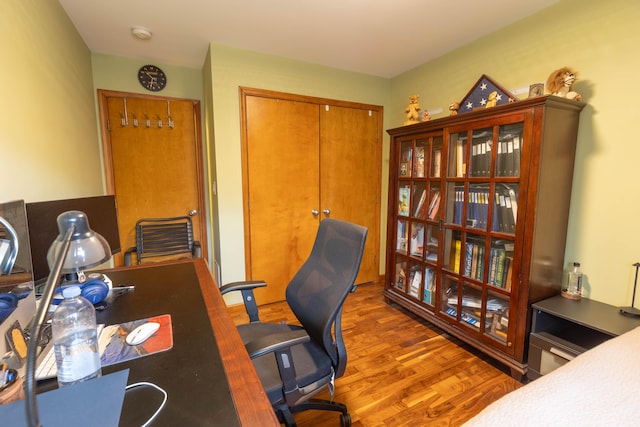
point(75, 339)
point(574, 283)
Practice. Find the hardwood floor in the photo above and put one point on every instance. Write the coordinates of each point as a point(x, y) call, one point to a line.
point(401, 371)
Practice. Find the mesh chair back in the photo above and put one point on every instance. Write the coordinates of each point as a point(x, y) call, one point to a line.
point(318, 290)
point(163, 236)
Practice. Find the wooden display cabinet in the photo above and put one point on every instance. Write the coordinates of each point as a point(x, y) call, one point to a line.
point(478, 212)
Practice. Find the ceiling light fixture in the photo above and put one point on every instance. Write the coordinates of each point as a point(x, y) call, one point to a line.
point(141, 33)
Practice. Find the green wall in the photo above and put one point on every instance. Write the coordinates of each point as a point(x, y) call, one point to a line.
point(598, 39)
point(48, 142)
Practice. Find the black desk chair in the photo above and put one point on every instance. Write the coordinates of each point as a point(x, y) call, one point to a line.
point(156, 237)
point(294, 363)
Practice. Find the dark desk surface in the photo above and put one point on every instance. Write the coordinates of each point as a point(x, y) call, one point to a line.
point(592, 314)
point(208, 375)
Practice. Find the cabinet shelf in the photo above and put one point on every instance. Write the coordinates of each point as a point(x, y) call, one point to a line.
point(478, 211)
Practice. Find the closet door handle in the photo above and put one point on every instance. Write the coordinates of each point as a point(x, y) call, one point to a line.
point(315, 212)
point(326, 211)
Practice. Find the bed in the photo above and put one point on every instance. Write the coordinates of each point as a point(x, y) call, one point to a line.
point(600, 387)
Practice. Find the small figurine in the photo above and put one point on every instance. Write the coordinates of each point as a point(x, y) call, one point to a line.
point(412, 110)
point(493, 100)
point(453, 107)
point(560, 83)
point(426, 116)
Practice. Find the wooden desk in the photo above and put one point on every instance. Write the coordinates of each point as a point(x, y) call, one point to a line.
point(191, 382)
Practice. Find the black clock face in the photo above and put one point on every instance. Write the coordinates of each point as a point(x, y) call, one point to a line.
point(152, 78)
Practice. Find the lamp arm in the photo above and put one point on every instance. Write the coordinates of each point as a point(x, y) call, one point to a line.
point(41, 313)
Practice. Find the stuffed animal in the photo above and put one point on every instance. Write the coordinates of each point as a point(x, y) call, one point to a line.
point(453, 107)
point(493, 100)
point(413, 110)
point(560, 83)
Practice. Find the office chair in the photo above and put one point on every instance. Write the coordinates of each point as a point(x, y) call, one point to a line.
point(295, 363)
point(157, 237)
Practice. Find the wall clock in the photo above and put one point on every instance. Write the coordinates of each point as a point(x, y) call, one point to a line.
point(152, 78)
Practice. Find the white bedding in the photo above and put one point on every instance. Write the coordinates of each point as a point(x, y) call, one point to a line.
point(600, 387)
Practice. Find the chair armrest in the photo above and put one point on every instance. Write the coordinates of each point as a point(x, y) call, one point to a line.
point(249, 300)
point(127, 255)
point(280, 344)
point(242, 285)
point(275, 342)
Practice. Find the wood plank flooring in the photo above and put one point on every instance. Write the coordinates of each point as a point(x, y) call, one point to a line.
point(401, 371)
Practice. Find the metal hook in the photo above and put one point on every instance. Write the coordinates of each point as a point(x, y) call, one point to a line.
point(170, 121)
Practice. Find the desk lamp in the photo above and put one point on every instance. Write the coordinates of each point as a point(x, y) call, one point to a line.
point(632, 311)
point(76, 248)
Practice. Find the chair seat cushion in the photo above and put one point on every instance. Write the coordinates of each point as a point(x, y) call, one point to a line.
point(312, 365)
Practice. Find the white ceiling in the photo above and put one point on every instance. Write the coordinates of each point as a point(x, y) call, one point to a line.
point(378, 37)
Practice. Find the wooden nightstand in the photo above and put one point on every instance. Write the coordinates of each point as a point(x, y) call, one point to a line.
point(562, 329)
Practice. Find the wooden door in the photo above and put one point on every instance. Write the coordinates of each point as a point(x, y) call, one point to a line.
point(153, 160)
point(350, 155)
point(300, 157)
point(281, 180)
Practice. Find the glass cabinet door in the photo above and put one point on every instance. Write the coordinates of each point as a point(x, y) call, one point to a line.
point(419, 210)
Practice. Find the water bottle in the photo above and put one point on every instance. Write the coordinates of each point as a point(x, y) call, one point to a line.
point(75, 339)
point(574, 283)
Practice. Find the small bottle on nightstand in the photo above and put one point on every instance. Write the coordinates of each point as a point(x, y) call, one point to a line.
point(573, 287)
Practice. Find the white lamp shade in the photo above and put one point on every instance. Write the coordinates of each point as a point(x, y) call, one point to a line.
point(87, 248)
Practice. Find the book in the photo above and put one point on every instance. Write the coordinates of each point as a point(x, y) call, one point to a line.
point(456, 258)
point(434, 205)
point(419, 211)
point(414, 287)
point(419, 162)
point(460, 164)
point(437, 159)
point(114, 349)
point(403, 201)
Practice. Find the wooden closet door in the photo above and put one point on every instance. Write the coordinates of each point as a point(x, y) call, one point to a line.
point(282, 183)
point(350, 175)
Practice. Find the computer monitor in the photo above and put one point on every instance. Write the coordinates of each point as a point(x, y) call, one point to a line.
point(17, 298)
point(42, 217)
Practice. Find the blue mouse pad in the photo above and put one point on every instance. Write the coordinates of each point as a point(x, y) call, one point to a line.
point(96, 403)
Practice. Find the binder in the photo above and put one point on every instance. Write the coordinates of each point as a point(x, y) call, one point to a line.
point(513, 196)
point(483, 159)
point(504, 227)
point(473, 170)
point(516, 155)
point(500, 149)
point(457, 210)
point(510, 159)
point(495, 215)
point(487, 157)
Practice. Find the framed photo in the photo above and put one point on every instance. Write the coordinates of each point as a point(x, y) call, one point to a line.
point(404, 168)
point(536, 89)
